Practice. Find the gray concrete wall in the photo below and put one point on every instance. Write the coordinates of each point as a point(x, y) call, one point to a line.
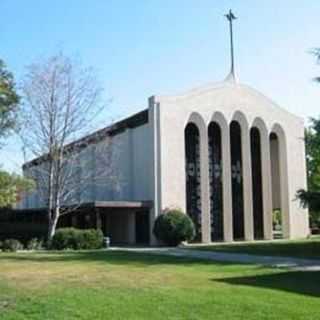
point(128, 178)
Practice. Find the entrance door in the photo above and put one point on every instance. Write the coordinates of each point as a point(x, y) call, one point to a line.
point(142, 227)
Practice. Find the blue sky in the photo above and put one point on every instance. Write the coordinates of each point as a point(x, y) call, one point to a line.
point(146, 47)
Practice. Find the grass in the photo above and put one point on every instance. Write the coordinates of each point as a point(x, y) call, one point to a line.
point(307, 248)
point(122, 285)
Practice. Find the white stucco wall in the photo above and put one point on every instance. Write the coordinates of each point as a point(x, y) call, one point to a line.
point(230, 101)
point(275, 178)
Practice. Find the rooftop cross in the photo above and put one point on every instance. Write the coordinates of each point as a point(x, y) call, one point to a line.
point(230, 16)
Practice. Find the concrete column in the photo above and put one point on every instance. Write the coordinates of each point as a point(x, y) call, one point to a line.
point(284, 192)
point(247, 182)
point(107, 224)
point(131, 227)
point(226, 185)
point(154, 115)
point(266, 185)
point(204, 176)
point(74, 220)
point(219, 118)
point(280, 192)
point(98, 219)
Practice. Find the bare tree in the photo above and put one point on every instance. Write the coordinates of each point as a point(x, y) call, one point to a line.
point(61, 101)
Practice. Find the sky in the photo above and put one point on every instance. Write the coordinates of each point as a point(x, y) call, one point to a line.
point(160, 47)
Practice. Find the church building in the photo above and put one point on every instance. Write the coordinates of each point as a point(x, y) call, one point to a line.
point(225, 154)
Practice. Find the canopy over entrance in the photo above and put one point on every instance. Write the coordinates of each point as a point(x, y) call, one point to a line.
point(117, 204)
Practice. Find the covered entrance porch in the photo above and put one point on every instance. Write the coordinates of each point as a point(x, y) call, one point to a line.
point(125, 222)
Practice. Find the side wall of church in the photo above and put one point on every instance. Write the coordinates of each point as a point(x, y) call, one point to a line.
point(128, 178)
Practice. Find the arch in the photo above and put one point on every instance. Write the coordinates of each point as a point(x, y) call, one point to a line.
point(245, 172)
point(240, 117)
point(220, 119)
point(198, 120)
point(279, 176)
point(257, 192)
point(265, 176)
point(193, 175)
point(215, 180)
point(203, 177)
point(279, 131)
point(237, 179)
point(261, 125)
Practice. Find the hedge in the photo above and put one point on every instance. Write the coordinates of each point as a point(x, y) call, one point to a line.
point(77, 239)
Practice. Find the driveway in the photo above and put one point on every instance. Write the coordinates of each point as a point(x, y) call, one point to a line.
point(296, 264)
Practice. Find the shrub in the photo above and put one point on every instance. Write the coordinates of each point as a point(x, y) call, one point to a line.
point(76, 239)
point(11, 245)
point(65, 238)
point(276, 219)
point(34, 244)
point(173, 227)
point(91, 239)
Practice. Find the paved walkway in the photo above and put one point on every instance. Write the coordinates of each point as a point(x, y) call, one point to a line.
point(270, 261)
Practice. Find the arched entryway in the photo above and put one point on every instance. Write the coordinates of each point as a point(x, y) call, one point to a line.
point(257, 195)
point(237, 181)
point(215, 179)
point(193, 180)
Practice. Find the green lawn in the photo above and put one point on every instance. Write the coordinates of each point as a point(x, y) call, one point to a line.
point(308, 248)
point(122, 285)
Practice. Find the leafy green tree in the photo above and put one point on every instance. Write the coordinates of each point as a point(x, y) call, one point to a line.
point(9, 101)
point(312, 140)
point(311, 197)
point(10, 184)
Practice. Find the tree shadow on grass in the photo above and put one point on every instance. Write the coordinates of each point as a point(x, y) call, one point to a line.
point(307, 249)
point(108, 257)
point(301, 282)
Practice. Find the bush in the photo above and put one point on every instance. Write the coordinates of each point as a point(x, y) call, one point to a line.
point(65, 238)
point(91, 239)
point(276, 218)
point(34, 244)
point(11, 245)
point(173, 227)
point(314, 217)
point(76, 239)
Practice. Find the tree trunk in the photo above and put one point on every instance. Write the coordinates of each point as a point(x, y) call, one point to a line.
point(50, 200)
point(53, 223)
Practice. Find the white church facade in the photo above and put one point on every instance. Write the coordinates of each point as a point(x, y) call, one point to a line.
point(224, 153)
point(229, 157)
